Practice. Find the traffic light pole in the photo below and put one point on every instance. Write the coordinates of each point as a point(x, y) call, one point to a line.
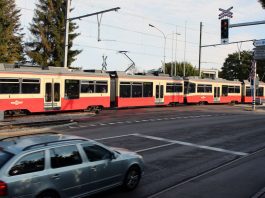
point(254, 86)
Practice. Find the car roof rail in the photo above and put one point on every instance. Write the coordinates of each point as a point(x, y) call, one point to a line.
point(29, 134)
point(52, 142)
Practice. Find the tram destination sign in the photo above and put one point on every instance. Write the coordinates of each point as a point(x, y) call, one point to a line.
point(259, 53)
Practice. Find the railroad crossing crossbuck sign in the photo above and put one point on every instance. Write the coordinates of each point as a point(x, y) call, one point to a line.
point(226, 13)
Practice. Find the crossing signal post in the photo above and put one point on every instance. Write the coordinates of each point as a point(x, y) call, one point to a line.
point(225, 31)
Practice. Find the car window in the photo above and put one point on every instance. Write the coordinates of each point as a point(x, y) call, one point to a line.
point(4, 157)
point(65, 156)
point(30, 163)
point(96, 153)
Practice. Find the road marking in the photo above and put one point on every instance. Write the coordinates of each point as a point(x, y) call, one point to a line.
point(155, 147)
point(146, 120)
point(119, 122)
point(192, 145)
point(113, 137)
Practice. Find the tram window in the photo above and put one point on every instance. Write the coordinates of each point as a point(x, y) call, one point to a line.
point(260, 91)
point(170, 88)
point(178, 88)
point(48, 92)
point(71, 89)
point(87, 86)
point(237, 89)
point(248, 91)
point(9, 86)
point(191, 88)
point(30, 86)
point(148, 89)
point(224, 90)
point(57, 92)
point(101, 86)
point(137, 90)
point(125, 90)
point(200, 88)
point(233, 89)
point(174, 88)
point(208, 88)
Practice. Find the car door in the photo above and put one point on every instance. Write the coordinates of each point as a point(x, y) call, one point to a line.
point(67, 170)
point(106, 169)
point(26, 175)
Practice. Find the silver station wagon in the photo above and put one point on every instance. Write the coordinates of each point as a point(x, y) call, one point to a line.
point(51, 165)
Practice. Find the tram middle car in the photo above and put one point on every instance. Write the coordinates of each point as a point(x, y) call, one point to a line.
point(145, 90)
point(210, 91)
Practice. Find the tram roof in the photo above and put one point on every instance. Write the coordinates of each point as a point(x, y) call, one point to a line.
point(49, 70)
point(217, 80)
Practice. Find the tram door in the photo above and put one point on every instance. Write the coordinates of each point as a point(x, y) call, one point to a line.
point(216, 94)
point(159, 99)
point(52, 95)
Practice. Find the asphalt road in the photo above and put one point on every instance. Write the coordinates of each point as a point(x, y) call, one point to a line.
point(189, 151)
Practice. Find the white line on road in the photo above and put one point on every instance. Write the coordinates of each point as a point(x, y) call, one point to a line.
point(155, 147)
point(192, 145)
point(112, 137)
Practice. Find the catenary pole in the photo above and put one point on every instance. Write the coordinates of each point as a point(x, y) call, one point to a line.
point(200, 49)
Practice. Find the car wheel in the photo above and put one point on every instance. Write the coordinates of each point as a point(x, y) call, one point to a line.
point(48, 194)
point(132, 178)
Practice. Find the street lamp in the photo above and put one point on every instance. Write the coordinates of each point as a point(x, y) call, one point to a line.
point(164, 63)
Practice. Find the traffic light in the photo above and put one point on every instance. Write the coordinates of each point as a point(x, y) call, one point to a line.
point(224, 30)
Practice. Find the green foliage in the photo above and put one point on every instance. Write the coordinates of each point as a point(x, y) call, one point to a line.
point(234, 68)
point(190, 70)
point(261, 69)
point(11, 49)
point(48, 30)
point(262, 3)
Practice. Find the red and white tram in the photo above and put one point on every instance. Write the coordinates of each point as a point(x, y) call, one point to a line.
point(35, 89)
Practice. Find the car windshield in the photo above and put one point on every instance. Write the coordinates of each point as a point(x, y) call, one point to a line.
point(4, 157)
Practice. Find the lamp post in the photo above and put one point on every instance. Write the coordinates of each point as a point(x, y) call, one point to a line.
point(164, 63)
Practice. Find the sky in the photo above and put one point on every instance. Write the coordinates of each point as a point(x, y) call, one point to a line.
point(128, 30)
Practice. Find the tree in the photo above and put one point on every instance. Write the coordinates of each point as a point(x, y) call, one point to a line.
point(234, 68)
point(262, 3)
point(190, 70)
point(261, 69)
point(48, 30)
point(11, 49)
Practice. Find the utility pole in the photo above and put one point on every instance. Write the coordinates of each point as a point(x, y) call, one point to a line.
point(66, 32)
point(184, 64)
point(67, 20)
point(200, 49)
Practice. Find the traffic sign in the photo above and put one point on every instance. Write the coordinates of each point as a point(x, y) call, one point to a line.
point(259, 53)
point(258, 43)
point(226, 13)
